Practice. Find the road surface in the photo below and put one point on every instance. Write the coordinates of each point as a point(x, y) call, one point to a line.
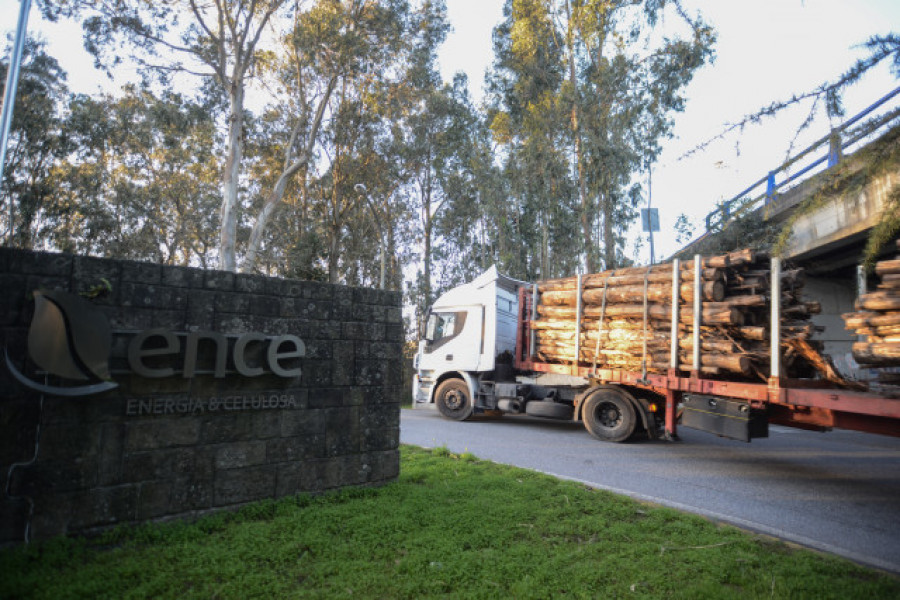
point(838, 492)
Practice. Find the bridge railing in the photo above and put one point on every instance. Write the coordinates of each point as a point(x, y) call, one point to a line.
point(836, 141)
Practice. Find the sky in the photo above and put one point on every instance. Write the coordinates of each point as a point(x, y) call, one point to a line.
point(766, 50)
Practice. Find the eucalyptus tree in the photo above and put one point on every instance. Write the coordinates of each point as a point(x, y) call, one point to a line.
point(333, 44)
point(138, 181)
point(36, 142)
point(582, 94)
point(217, 41)
point(634, 79)
point(528, 121)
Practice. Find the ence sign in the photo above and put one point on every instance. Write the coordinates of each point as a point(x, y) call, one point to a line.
point(71, 339)
point(280, 348)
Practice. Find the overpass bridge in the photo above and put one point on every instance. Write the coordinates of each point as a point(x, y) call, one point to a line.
point(825, 213)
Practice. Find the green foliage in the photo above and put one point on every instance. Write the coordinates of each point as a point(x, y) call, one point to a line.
point(582, 94)
point(37, 140)
point(450, 527)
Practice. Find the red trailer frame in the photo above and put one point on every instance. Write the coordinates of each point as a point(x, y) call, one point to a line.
point(803, 403)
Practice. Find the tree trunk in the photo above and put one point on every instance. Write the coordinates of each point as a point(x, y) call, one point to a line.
point(230, 177)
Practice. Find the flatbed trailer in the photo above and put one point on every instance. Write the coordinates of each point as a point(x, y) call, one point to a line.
point(471, 327)
point(803, 403)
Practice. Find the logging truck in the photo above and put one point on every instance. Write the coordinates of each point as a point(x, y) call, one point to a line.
point(590, 348)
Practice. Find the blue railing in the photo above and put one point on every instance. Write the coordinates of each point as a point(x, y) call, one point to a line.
point(742, 203)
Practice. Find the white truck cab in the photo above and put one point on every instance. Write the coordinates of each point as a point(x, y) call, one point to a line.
point(468, 327)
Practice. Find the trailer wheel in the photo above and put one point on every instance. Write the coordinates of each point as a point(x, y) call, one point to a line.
point(452, 399)
point(608, 416)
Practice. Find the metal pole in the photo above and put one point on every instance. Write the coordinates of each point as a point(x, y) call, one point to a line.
point(861, 284)
point(861, 288)
point(698, 309)
point(676, 292)
point(776, 318)
point(649, 215)
point(12, 82)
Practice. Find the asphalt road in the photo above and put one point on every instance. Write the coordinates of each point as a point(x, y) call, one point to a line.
point(838, 492)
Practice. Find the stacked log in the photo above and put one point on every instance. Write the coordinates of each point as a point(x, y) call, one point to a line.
point(626, 314)
point(878, 318)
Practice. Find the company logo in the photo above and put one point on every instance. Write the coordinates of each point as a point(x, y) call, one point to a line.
point(70, 339)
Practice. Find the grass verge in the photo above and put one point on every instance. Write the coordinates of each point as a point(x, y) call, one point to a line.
point(451, 526)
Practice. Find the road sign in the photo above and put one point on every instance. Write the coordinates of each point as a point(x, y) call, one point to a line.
point(650, 219)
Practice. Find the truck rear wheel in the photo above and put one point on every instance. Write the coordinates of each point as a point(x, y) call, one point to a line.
point(452, 399)
point(609, 416)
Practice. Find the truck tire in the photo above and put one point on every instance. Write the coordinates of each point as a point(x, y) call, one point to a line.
point(548, 409)
point(453, 401)
point(609, 416)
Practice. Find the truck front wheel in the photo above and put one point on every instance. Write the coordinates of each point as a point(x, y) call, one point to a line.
point(452, 399)
point(608, 416)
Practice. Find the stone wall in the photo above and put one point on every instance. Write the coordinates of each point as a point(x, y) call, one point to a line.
point(176, 446)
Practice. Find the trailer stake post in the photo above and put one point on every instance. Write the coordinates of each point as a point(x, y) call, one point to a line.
point(676, 292)
point(534, 313)
point(775, 333)
point(698, 311)
point(579, 308)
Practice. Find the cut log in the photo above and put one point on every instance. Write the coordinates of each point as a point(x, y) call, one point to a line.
point(881, 300)
point(887, 267)
point(870, 319)
point(877, 354)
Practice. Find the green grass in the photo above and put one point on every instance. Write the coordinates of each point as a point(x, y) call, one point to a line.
point(451, 526)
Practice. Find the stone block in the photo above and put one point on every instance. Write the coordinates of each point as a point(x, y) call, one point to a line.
point(317, 373)
point(157, 464)
point(182, 277)
point(218, 280)
point(14, 299)
point(232, 302)
point(237, 486)
point(241, 454)
point(162, 433)
point(266, 306)
point(251, 284)
point(93, 274)
point(146, 273)
point(53, 476)
point(221, 428)
point(101, 507)
point(294, 449)
point(302, 423)
point(145, 295)
point(380, 439)
point(289, 479)
point(201, 308)
point(371, 373)
point(47, 282)
point(40, 263)
point(69, 440)
point(373, 332)
point(267, 424)
point(325, 398)
point(313, 289)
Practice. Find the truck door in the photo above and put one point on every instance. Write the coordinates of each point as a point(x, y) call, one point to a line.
point(453, 339)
